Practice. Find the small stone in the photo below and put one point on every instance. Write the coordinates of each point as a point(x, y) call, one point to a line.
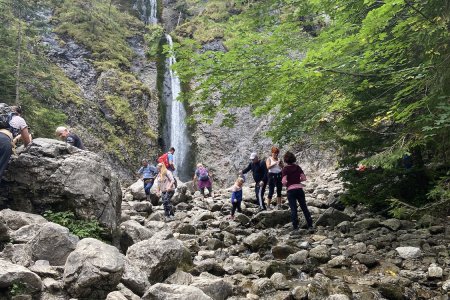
point(321, 253)
point(409, 252)
point(297, 258)
point(434, 271)
point(300, 292)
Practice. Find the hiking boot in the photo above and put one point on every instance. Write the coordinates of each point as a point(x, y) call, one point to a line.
point(295, 231)
point(147, 197)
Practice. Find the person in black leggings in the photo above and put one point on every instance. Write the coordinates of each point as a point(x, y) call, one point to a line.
point(293, 175)
point(274, 167)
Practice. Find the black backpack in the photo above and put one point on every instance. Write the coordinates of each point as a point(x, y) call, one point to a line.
point(4, 121)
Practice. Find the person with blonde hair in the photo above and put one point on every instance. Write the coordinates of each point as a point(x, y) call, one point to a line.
point(203, 179)
point(236, 196)
point(71, 138)
point(165, 182)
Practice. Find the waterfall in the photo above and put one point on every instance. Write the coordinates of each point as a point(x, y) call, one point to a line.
point(147, 9)
point(177, 132)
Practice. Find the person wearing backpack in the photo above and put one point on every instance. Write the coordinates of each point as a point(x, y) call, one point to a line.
point(167, 159)
point(165, 183)
point(11, 126)
point(148, 173)
point(203, 179)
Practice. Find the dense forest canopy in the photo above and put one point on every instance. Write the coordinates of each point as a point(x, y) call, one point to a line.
point(372, 76)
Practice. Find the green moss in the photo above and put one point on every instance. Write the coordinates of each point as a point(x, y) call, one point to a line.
point(101, 28)
point(121, 109)
point(152, 39)
point(202, 30)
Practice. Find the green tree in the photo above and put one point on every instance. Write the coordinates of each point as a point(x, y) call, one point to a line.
point(370, 75)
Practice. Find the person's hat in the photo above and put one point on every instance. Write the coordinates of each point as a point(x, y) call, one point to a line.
point(253, 155)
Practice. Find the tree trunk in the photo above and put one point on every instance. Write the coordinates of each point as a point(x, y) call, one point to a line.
point(19, 57)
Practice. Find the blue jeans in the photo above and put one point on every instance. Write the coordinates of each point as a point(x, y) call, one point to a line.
point(148, 183)
point(5, 152)
point(294, 196)
point(168, 209)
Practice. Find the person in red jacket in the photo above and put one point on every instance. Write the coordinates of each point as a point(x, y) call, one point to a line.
point(292, 176)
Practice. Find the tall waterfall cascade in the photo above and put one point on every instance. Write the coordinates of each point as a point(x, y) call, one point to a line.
point(147, 10)
point(176, 115)
point(175, 132)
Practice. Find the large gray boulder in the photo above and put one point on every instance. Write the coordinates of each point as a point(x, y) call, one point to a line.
point(93, 270)
point(62, 178)
point(332, 217)
point(54, 243)
point(157, 257)
point(137, 190)
point(11, 274)
point(14, 220)
point(134, 279)
point(272, 218)
point(215, 287)
point(131, 232)
point(162, 291)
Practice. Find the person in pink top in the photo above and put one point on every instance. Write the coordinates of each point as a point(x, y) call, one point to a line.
point(292, 176)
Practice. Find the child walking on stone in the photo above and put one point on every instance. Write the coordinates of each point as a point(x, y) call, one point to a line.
point(236, 196)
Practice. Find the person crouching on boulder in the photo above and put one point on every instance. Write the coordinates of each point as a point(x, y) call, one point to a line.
point(166, 188)
point(236, 196)
point(148, 173)
point(203, 179)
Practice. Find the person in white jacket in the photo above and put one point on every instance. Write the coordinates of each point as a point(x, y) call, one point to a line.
point(165, 183)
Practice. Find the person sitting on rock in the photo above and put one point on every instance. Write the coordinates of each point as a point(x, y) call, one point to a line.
point(148, 173)
point(259, 170)
point(70, 138)
point(165, 183)
point(203, 179)
point(236, 196)
point(17, 126)
point(292, 176)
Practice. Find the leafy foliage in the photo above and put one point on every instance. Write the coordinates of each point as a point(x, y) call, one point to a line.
point(80, 228)
point(369, 75)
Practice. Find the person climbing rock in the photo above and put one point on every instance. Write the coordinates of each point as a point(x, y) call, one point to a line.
point(166, 189)
point(292, 176)
point(71, 138)
point(236, 196)
point(259, 171)
point(148, 173)
point(203, 180)
point(274, 167)
point(13, 125)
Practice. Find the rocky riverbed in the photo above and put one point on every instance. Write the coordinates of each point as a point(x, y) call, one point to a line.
point(204, 255)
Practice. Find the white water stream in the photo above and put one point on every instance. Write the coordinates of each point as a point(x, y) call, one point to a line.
point(147, 9)
point(178, 134)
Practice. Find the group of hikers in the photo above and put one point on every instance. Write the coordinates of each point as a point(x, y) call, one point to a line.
point(274, 172)
point(14, 129)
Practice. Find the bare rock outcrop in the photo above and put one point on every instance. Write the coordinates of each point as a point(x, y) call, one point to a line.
point(54, 175)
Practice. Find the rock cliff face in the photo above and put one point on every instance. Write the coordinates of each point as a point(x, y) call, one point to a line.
point(122, 133)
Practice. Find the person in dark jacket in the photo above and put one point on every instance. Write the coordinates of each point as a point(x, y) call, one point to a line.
point(259, 170)
point(69, 137)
